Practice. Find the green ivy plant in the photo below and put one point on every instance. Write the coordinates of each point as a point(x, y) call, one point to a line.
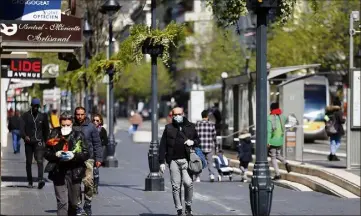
point(167, 37)
point(228, 12)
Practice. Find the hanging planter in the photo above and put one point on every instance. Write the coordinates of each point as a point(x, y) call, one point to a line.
point(257, 4)
point(228, 12)
point(151, 48)
point(155, 41)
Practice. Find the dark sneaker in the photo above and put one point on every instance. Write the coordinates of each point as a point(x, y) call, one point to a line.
point(288, 167)
point(87, 209)
point(79, 211)
point(179, 212)
point(30, 185)
point(335, 158)
point(41, 184)
point(277, 177)
point(329, 157)
point(188, 211)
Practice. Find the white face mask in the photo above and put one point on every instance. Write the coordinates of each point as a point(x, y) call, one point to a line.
point(66, 130)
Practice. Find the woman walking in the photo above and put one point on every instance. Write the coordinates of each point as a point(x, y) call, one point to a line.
point(98, 122)
point(66, 151)
point(334, 127)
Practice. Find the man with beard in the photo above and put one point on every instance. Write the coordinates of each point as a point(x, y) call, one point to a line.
point(91, 134)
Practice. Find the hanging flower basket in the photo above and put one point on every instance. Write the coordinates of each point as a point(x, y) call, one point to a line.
point(155, 41)
point(257, 4)
point(149, 47)
point(228, 12)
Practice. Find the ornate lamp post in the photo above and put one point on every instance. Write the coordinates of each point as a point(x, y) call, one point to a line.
point(154, 181)
point(261, 187)
point(224, 76)
point(110, 7)
point(87, 33)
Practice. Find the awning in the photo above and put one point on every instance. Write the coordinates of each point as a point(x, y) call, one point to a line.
point(18, 83)
point(274, 72)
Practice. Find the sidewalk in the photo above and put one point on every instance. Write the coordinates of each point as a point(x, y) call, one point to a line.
point(121, 192)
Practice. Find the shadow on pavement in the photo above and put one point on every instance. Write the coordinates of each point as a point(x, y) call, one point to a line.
point(152, 214)
point(133, 187)
point(51, 211)
point(18, 179)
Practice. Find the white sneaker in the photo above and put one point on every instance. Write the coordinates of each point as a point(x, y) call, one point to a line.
point(198, 179)
point(211, 177)
point(219, 178)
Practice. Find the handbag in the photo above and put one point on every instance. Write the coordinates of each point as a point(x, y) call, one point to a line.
point(195, 164)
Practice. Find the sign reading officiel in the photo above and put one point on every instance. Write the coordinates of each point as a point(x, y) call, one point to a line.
point(68, 30)
point(31, 10)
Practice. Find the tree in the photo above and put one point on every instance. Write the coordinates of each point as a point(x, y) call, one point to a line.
point(320, 37)
point(215, 54)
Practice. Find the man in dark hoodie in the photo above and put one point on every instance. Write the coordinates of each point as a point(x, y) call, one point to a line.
point(35, 131)
point(96, 155)
point(178, 138)
point(334, 113)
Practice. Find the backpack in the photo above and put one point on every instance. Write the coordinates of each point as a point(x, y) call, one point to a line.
point(200, 154)
point(195, 163)
point(330, 126)
point(274, 124)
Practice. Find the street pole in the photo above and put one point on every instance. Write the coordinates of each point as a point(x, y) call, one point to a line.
point(111, 160)
point(154, 180)
point(351, 66)
point(261, 187)
point(86, 101)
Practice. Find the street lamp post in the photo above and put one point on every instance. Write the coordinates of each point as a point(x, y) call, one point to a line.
point(87, 32)
point(261, 187)
point(110, 7)
point(224, 76)
point(154, 181)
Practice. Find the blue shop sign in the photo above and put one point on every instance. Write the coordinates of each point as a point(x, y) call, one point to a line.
point(31, 10)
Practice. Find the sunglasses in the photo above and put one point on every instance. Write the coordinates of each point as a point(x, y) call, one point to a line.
point(96, 120)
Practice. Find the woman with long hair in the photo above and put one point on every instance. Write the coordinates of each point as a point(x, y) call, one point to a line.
point(97, 120)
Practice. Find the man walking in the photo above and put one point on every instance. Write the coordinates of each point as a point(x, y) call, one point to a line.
point(14, 128)
point(207, 134)
point(275, 134)
point(177, 140)
point(35, 132)
point(96, 155)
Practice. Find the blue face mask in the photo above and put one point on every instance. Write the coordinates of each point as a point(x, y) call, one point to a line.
point(178, 119)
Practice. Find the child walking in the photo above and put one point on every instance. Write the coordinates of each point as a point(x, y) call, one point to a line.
point(244, 153)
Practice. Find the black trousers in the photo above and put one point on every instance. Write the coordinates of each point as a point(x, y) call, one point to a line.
point(67, 193)
point(35, 150)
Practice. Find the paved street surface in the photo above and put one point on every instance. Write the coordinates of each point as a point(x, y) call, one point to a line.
point(122, 192)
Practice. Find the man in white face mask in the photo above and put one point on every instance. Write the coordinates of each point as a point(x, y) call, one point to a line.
point(66, 151)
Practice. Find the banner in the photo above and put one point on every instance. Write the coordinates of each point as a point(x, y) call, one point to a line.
point(31, 10)
point(30, 68)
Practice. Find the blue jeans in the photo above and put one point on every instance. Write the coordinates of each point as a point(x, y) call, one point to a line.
point(335, 142)
point(16, 140)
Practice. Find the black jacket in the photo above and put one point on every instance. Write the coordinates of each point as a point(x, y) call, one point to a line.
point(103, 136)
point(75, 168)
point(335, 112)
point(92, 136)
point(36, 128)
point(14, 123)
point(245, 148)
point(168, 140)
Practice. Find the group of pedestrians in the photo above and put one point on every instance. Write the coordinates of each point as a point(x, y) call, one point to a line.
point(73, 147)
